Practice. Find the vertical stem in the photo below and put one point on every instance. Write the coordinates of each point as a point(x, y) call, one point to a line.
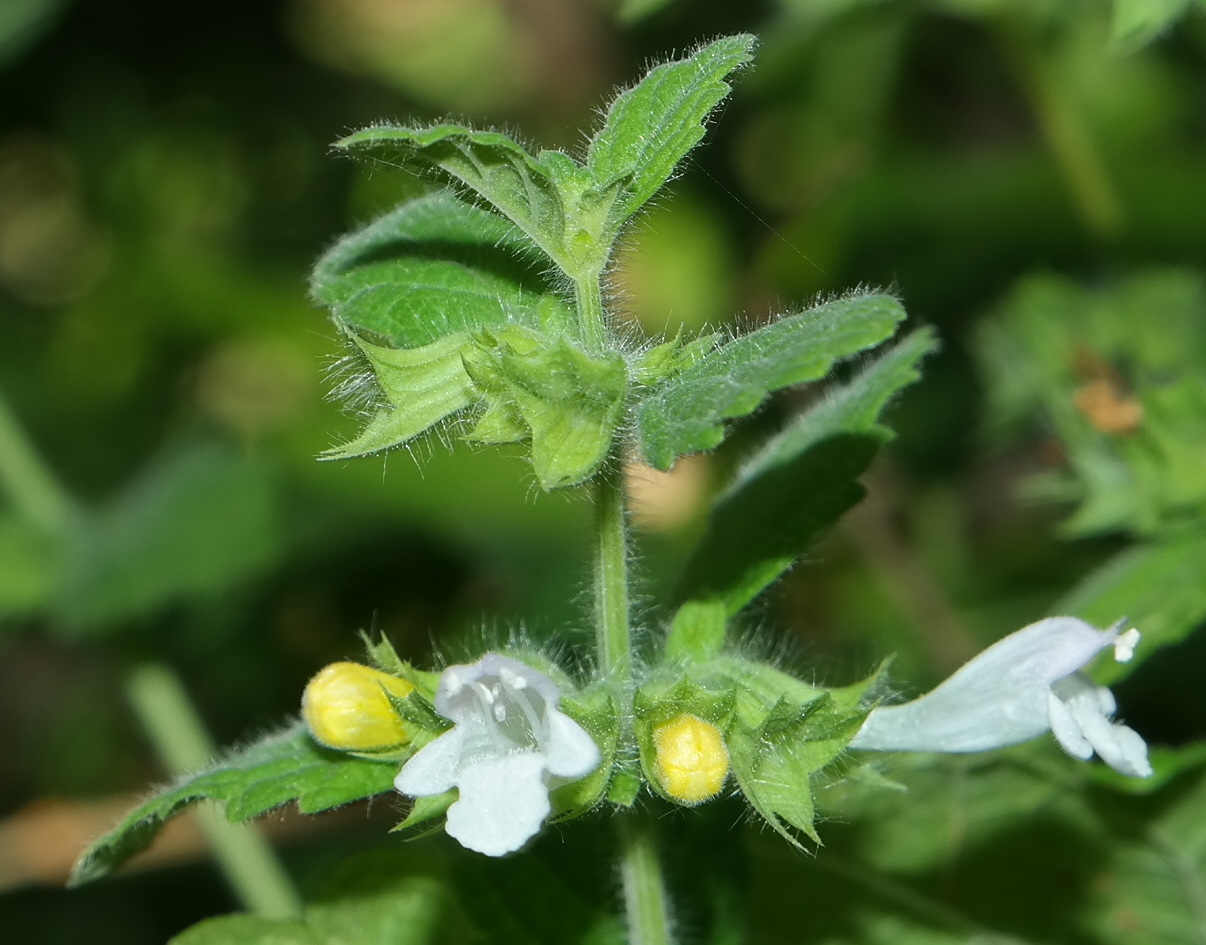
point(1069, 138)
point(34, 491)
point(590, 311)
point(611, 577)
point(245, 857)
point(644, 888)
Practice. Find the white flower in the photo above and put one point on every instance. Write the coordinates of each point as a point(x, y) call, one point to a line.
point(1020, 687)
point(508, 745)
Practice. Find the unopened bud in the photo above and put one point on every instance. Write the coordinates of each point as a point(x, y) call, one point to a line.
point(691, 759)
point(346, 707)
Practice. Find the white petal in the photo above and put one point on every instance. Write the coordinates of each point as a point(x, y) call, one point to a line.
point(433, 768)
point(502, 805)
point(1089, 709)
point(571, 752)
point(1066, 729)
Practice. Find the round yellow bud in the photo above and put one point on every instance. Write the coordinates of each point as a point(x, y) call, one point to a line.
point(345, 707)
point(691, 759)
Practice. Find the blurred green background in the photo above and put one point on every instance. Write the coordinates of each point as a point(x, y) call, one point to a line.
point(1030, 176)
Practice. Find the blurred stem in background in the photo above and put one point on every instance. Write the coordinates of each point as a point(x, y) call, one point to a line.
point(1069, 137)
point(35, 493)
point(244, 856)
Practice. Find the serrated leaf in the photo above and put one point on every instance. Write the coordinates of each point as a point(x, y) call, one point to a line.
point(1157, 587)
point(423, 385)
point(431, 267)
point(651, 127)
point(529, 191)
point(799, 484)
point(274, 771)
point(688, 412)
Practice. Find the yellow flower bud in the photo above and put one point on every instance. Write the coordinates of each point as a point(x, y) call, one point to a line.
point(345, 707)
point(691, 759)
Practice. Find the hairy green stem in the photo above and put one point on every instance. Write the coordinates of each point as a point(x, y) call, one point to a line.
point(245, 857)
point(33, 490)
point(611, 576)
point(591, 322)
point(647, 905)
point(1067, 134)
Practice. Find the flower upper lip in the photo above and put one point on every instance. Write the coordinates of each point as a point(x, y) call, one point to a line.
point(1020, 687)
point(508, 743)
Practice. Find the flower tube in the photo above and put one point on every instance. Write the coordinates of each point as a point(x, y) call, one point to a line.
point(1019, 688)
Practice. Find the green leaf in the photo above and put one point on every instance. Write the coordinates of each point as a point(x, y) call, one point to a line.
point(799, 484)
point(196, 523)
point(423, 385)
point(531, 192)
point(31, 564)
point(1016, 846)
point(1137, 22)
point(571, 403)
point(687, 413)
point(697, 633)
point(379, 898)
point(278, 769)
point(549, 897)
point(1157, 587)
point(651, 127)
point(432, 267)
point(1115, 372)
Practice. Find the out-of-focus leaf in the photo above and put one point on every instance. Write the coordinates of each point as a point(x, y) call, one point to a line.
point(379, 898)
point(22, 22)
point(799, 484)
point(687, 413)
point(1016, 846)
point(195, 524)
point(432, 267)
point(30, 566)
point(654, 125)
point(552, 899)
point(1157, 587)
point(1117, 375)
point(278, 769)
point(1137, 22)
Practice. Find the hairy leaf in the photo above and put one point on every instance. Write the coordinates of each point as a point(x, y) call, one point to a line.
point(529, 191)
point(687, 413)
point(651, 127)
point(799, 484)
point(423, 385)
point(285, 767)
point(431, 267)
